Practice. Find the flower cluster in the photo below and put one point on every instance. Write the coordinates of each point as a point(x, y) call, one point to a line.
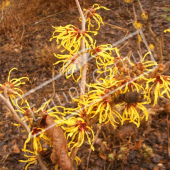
point(161, 86)
point(91, 13)
point(77, 128)
point(144, 16)
point(10, 87)
point(137, 25)
point(121, 94)
point(4, 5)
point(70, 38)
point(71, 64)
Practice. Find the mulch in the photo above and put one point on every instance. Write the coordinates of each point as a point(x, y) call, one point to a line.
point(25, 44)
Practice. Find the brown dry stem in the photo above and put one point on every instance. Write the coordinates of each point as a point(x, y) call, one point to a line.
point(168, 126)
point(135, 18)
point(24, 125)
point(157, 40)
point(96, 137)
point(42, 164)
point(84, 67)
point(16, 117)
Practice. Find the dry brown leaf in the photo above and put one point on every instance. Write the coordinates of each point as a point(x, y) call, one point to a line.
point(102, 156)
point(15, 149)
point(138, 145)
point(60, 150)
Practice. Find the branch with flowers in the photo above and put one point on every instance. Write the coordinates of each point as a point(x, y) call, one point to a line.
point(133, 87)
point(158, 41)
point(8, 94)
point(121, 96)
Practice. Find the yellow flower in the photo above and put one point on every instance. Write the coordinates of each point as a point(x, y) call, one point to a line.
point(151, 47)
point(70, 37)
point(142, 67)
point(102, 55)
point(77, 159)
point(118, 84)
point(91, 13)
point(29, 115)
point(26, 111)
point(36, 134)
point(162, 86)
point(75, 124)
point(130, 84)
point(4, 4)
point(120, 65)
point(128, 1)
point(7, 3)
point(31, 160)
point(132, 113)
point(81, 109)
point(109, 82)
point(113, 64)
point(139, 38)
point(77, 127)
point(144, 16)
point(100, 104)
point(167, 30)
point(10, 87)
point(137, 25)
point(71, 64)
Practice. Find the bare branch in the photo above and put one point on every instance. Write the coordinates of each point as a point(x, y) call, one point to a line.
point(16, 117)
point(84, 68)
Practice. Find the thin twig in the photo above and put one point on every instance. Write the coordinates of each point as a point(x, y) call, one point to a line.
point(134, 13)
point(16, 117)
point(73, 154)
point(168, 135)
point(151, 6)
point(159, 42)
point(53, 82)
point(135, 18)
point(49, 16)
point(96, 137)
point(41, 162)
point(2, 16)
point(53, 86)
point(116, 27)
point(10, 8)
point(167, 65)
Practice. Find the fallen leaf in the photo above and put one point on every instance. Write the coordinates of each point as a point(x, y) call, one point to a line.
point(15, 149)
point(102, 156)
point(138, 145)
point(59, 154)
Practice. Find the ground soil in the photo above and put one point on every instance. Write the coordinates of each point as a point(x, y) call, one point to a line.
point(25, 44)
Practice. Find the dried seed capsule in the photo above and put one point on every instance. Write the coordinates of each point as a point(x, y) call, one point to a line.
point(129, 97)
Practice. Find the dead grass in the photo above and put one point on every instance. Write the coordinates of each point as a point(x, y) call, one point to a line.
point(44, 55)
point(21, 13)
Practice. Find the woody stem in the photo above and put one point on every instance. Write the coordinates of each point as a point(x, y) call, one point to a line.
point(16, 117)
point(83, 47)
